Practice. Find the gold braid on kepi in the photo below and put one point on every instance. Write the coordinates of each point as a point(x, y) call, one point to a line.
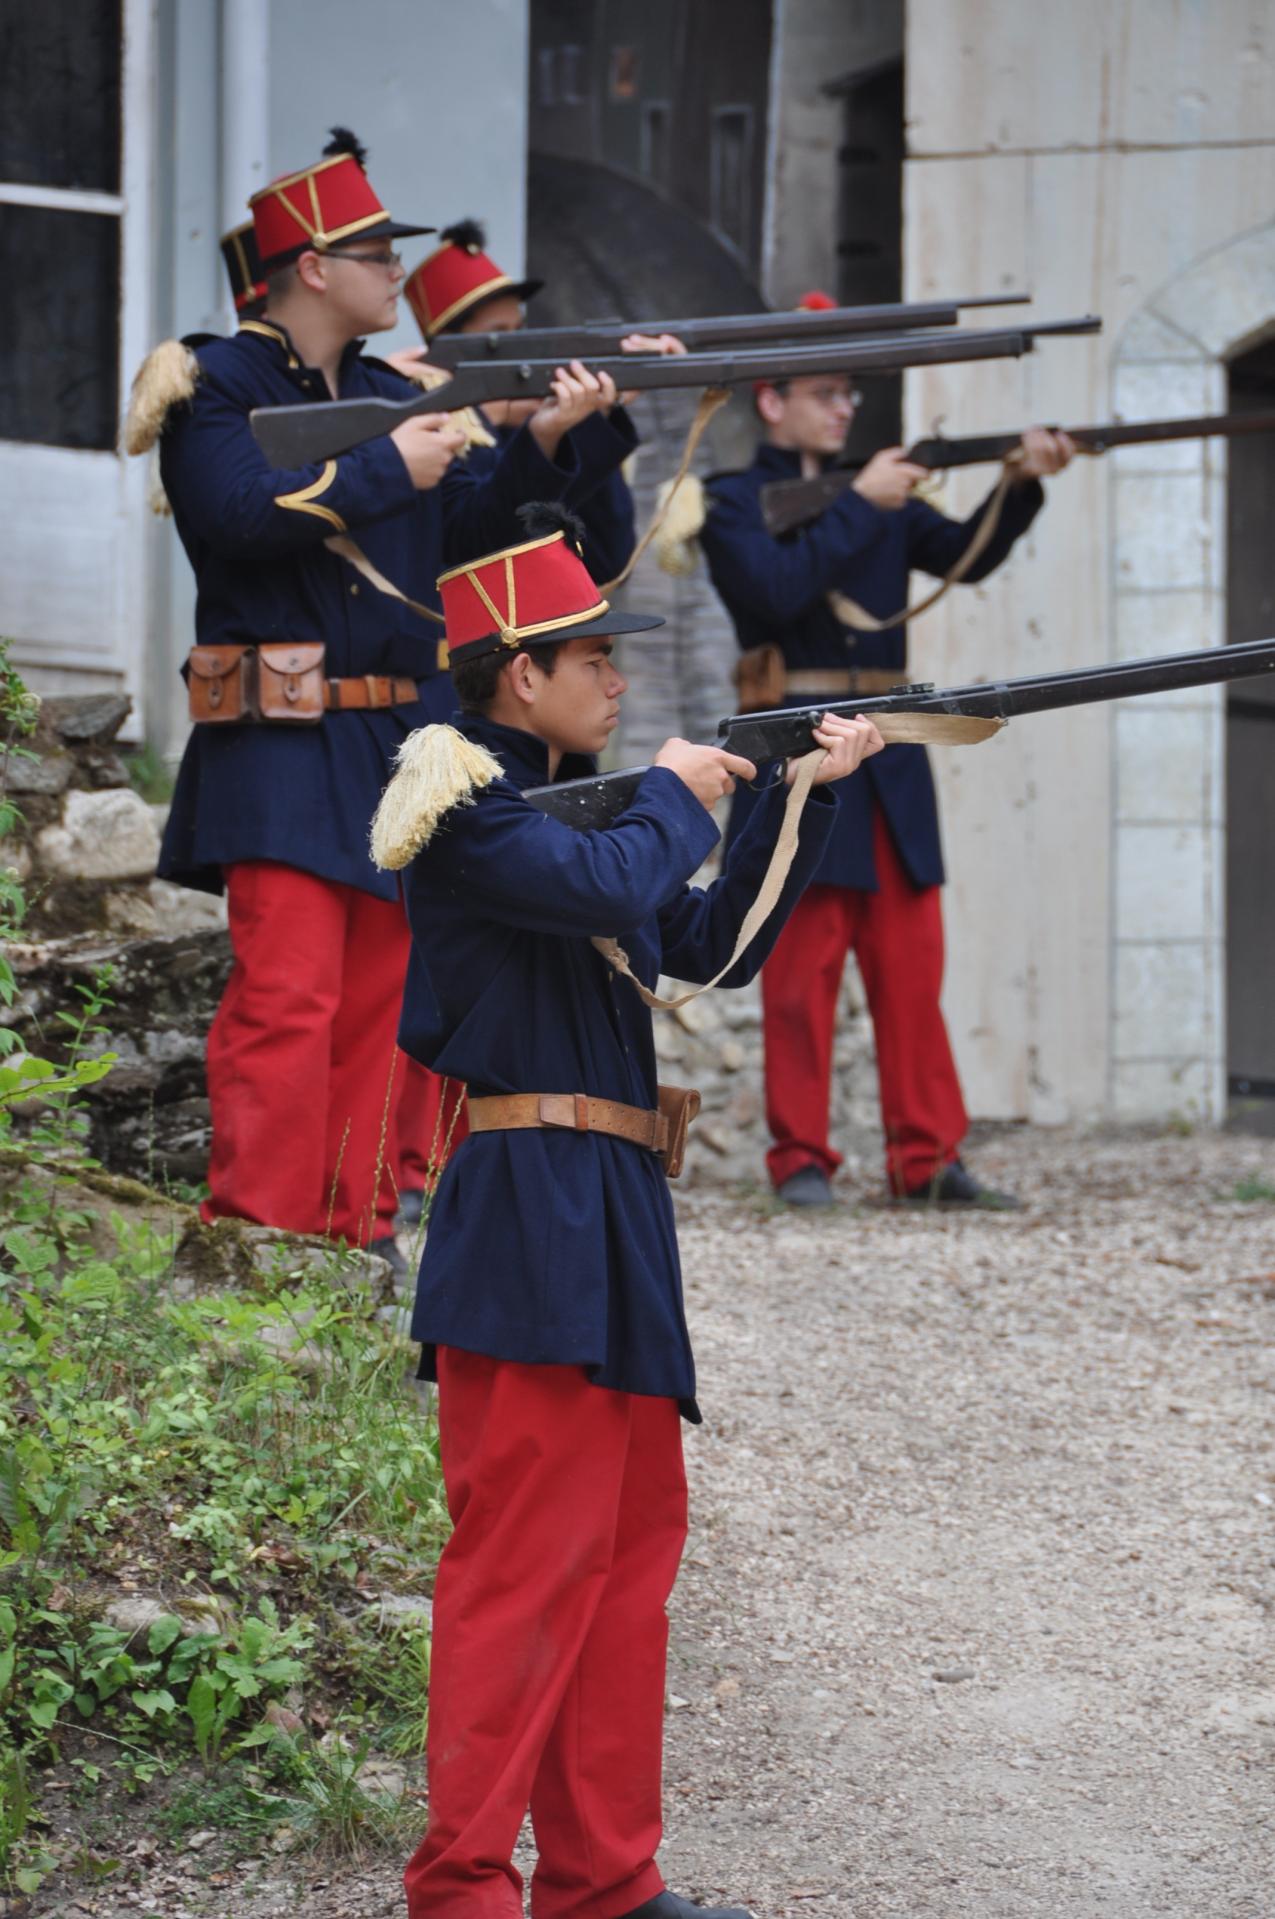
point(165, 379)
point(435, 770)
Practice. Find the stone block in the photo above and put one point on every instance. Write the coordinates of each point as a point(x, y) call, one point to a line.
point(1165, 883)
point(1166, 1000)
point(1162, 1088)
point(23, 772)
point(91, 716)
point(1164, 534)
point(1163, 389)
point(103, 836)
point(1165, 769)
point(1147, 622)
point(1149, 337)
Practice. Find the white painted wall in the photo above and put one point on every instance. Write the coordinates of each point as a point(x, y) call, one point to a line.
point(1113, 156)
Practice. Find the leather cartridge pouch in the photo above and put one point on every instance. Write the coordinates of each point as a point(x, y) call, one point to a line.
point(679, 1106)
point(290, 684)
point(218, 684)
point(759, 679)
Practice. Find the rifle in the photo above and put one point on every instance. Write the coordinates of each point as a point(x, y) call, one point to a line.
point(599, 799)
point(292, 436)
point(604, 336)
point(786, 504)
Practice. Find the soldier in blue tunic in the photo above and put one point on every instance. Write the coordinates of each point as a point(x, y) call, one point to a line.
point(549, 1301)
point(301, 1054)
point(799, 601)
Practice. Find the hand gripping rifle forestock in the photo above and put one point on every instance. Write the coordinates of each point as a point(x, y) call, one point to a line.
point(298, 436)
point(787, 731)
point(801, 326)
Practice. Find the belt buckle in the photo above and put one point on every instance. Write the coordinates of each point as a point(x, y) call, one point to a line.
point(582, 1112)
point(370, 682)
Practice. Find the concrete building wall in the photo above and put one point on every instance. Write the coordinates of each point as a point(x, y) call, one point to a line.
point(1112, 156)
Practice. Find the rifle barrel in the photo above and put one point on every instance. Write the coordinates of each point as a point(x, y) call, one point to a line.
point(296, 436)
point(594, 802)
point(604, 336)
point(787, 504)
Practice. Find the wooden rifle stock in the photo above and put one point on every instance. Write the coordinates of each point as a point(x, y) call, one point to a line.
point(594, 802)
point(787, 504)
point(298, 436)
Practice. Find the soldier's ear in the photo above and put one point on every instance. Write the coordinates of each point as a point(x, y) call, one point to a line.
point(312, 270)
point(522, 678)
point(769, 404)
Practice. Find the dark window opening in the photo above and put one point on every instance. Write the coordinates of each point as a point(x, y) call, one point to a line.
point(59, 306)
point(653, 152)
point(61, 121)
point(870, 230)
point(730, 173)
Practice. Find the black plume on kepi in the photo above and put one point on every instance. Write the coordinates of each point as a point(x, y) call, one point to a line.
point(470, 234)
point(539, 518)
point(343, 141)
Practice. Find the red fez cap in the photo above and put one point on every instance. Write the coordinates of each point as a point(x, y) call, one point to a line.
point(457, 277)
point(525, 596)
point(322, 207)
point(243, 265)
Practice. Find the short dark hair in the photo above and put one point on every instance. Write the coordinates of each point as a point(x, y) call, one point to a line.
point(281, 279)
point(476, 680)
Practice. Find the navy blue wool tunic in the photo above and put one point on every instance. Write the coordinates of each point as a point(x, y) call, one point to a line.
point(776, 592)
point(305, 795)
point(552, 1247)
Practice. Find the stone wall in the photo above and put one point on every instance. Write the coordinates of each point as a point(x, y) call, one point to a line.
point(1109, 158)
point(86, 849)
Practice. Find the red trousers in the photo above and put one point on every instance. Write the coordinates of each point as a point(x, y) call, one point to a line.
point(896, 935)
point(430, 1126)
point(302, 1072)
point(547, 1673)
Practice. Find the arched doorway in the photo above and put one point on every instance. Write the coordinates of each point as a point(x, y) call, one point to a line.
point(1173, 991)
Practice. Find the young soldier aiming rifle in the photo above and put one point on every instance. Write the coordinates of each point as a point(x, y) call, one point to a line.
point(800, 601)
point(549, 1300)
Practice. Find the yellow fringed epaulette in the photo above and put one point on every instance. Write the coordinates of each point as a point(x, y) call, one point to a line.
point(681, 512)
point(435, 769)
point(469, 420)
point(165, 379)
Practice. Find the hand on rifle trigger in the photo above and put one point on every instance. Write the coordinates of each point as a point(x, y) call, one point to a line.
point(709, 771)
point(888, 478)
point(648, 343)
point(574, 395)
point(428, 442)
point(847, 744)
point(1041, 452)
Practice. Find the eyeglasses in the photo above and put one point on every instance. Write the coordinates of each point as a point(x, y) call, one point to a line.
point(831, 396)
point(384, 257)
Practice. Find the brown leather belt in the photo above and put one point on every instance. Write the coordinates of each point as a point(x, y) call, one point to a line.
point(368, 690)
point(843, 680)
point(575, 1112)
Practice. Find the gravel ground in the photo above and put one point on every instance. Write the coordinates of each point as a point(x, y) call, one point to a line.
point(976, 1612)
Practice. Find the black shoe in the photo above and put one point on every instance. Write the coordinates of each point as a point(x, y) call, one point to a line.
point(411, 1205)
point(388, 1250)
point(667, 1905)
point(955, 1185)
point(808, 1186)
